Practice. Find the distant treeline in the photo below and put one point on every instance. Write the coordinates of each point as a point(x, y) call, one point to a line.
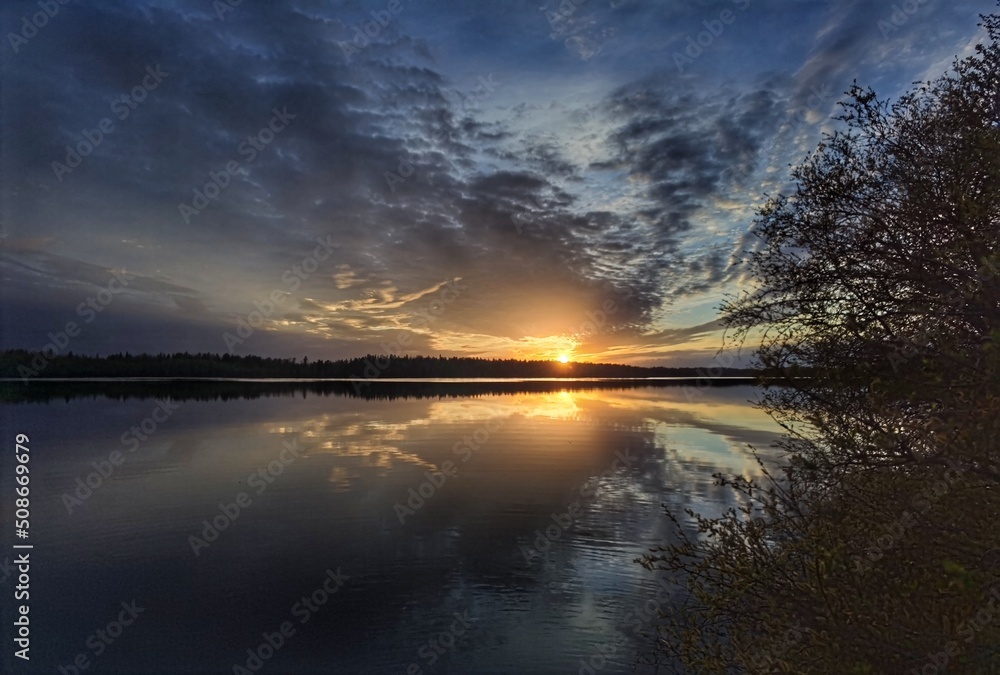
point(26, 365)
point(43, 390)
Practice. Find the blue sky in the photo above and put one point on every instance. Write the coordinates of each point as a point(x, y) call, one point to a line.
point(582, 174)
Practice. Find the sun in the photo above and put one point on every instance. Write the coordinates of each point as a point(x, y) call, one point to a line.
point(564, 358)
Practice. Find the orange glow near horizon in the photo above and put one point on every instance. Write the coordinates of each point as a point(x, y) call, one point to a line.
point(564, 358)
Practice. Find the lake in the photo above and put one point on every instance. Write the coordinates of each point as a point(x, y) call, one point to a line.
point(432, 527)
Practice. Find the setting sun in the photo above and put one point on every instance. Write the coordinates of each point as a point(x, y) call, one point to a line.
point(564, 358)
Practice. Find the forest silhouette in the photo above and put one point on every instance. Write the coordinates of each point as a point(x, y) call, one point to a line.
point(26, 365)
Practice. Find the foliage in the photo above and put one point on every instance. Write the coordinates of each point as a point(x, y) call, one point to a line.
point(879, 277)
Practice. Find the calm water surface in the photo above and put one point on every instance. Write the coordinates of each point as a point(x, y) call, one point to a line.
point(439, 578)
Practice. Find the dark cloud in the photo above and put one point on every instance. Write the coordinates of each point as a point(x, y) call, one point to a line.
point(551, 160)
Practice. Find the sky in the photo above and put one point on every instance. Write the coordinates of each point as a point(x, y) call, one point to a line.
point(499, 179)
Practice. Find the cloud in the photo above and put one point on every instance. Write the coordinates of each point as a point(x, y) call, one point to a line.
point(552, 160)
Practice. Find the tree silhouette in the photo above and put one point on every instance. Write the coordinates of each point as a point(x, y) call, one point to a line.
point(877, 301)
point(27, 365)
